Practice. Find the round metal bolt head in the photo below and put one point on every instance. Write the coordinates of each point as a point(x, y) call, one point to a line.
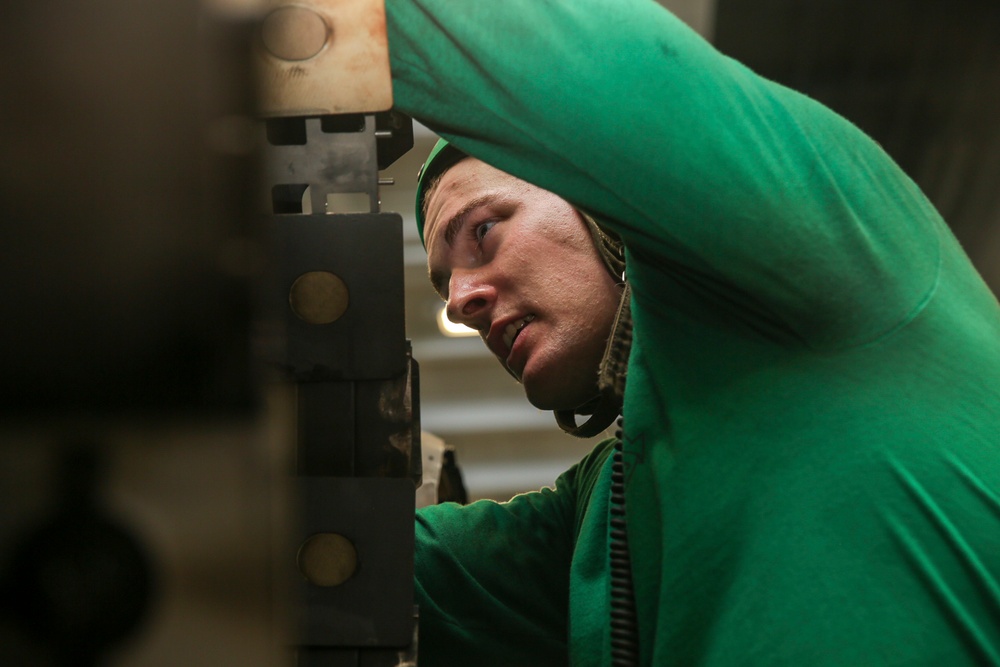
point(294, 33)
point(327, 559)
point(319, 297)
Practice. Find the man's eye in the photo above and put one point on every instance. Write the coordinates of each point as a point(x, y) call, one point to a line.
point(481, 230)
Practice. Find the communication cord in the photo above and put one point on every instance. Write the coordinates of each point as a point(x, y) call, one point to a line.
point(624, 628)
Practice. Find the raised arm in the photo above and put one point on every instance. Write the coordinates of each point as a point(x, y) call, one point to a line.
point(734, 188)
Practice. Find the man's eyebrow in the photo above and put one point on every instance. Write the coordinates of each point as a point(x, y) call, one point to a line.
point(456, 221)
point(454, 224)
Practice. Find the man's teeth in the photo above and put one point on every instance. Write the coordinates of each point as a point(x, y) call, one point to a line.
point(513, 329)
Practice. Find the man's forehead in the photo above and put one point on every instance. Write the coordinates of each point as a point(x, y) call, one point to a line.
point(464, 181)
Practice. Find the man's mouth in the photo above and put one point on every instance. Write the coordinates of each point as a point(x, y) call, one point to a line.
point(512, 330)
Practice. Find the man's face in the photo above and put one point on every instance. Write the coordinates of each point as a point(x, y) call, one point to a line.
point(518, 264)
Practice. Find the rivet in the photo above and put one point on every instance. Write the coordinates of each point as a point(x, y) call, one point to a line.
point(294, 33)
point(318, 297)
point(327, 559)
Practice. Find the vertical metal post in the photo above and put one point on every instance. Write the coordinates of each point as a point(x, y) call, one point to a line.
point(339, 291)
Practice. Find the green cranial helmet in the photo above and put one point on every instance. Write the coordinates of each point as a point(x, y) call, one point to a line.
point(441, 158)
point(605, 406)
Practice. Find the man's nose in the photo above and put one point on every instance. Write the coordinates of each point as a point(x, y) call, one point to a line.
point(470, 300)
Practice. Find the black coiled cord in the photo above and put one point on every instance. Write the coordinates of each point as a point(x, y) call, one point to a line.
point(624, 628)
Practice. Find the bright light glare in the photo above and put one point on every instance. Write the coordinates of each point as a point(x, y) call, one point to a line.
point(451, 329)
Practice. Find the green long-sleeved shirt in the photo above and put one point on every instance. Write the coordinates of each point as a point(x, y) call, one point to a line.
point(812, 418)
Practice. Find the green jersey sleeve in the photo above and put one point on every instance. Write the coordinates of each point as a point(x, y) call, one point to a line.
point(492, 579)
point(734, 190)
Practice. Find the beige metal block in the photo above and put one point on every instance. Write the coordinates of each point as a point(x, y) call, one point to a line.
point(320, 57)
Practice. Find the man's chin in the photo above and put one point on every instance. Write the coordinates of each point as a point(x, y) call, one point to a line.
point(537, 398)
point(545, 398)
point(551, 387)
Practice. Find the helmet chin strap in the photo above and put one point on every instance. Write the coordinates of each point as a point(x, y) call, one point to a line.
point(606, 406)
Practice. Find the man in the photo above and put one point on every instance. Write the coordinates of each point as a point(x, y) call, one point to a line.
point(518, 264)
point(812, 400)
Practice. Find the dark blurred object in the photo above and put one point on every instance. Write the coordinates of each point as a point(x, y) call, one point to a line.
point(132, 251)
point(79, 582)
point(451, 486)
point(149, 544)
point(125, 188)
point(442, 479)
